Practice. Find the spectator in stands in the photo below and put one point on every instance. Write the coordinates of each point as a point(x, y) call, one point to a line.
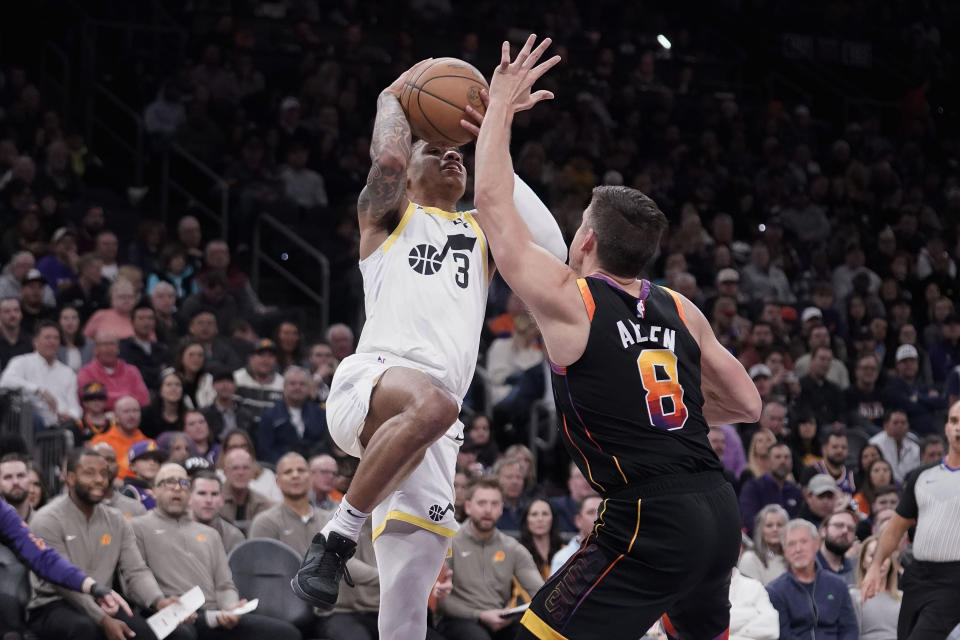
point(203, 329)
point(124, 433)
point(900, 451)
point(190, 237)
point(144, 459)
point(759, 341)
point(213, 295)
point(264, 481)
point(760, 280)
point(55, 613)
point(259, 386)
point(142, 349)
point(176, 270)
point(539, 534)
point(59, 267)
point(566, 507)
point(323, 470)
point(144, 251)
point(905, 391)
point(38, 494)
point(823, 609)
point(773, 487)
point(838, 534)
point(166, 113)
point(820, 498)
point(14, 339)
point(15, 271)
point(94, 420)
point(341, 341)
point(168, 408)
point(945, 354)
point(176, 446)
point(885, 498)
point(296, 423)
point(879, 474)
point(877, 617)
point(803, 441)
point(510, 476)
point(515, 372)
point(868, 454)
point(322, 365)
point(585, 517)
point(837, 371)
point(765, 561)
point(50, 385)
point(31, 300)
point(196, 428)
point(761, 376)
point(758, 462)
point(241, 503)
point(302, 185)
point(191, 364)
point(478, 434)
point(752, 617)
point(242, 338)
point(821, 396)
point(75, 350)
point(106, 247)
point(294, 521)
point(834, 447)
point(119, 378)
point(718, 442)
point(932, 449)
point(864, 401)
point(195, 557)
point(485, 563)
point(163, 299)
point(225, 414)
point(289, 346)
point(15, 484)
point(206, 500)
point(129, 507)
point(216, 259)
point(773, 418)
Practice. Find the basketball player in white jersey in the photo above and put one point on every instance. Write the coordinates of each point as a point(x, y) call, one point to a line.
point(395, 403)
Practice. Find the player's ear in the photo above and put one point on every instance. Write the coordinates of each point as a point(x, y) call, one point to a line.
point(589, 241)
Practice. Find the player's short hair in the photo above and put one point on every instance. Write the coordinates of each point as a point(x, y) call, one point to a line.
point(14, 457)
point(799, 523)
point(628, 226)
point(486, 482)
point(885, 489)
point(931, 440)
point(206, 474)
point(73, 458)
point(582, 501)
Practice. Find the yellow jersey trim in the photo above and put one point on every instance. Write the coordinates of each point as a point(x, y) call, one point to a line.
point(636, 529)
point(416, 521)
point(539, 628)
point(404, 220)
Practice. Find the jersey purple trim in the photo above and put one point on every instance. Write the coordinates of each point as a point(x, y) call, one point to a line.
point(557, 369)
point(949, 468)
point(644, 285)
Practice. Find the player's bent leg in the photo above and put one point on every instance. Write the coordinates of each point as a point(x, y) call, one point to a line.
point(409, 560)
point(703, 614)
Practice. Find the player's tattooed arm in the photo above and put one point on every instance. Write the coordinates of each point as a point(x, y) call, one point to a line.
point(390, 150)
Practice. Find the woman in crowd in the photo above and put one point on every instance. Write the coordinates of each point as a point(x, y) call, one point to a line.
point(804, 443)
point(765, 561)
point(538, 533)
point(75, 350)
point(879, 474)
point(877, 617)
point(37, 494)
point(116, 319)
point(478, 433)
point(531, 487)
point(166, 411)
point(177, 270)
point(176, 445)
point(196, 428)
point(461, 482)
point(757, 461)
point(868, 454)
point(289, 347)
point(197, 382)
point(264, 480)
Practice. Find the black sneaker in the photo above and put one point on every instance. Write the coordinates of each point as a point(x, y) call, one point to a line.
point(318, 580)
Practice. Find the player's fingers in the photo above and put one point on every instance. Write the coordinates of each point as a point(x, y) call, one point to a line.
point(472, 128)
point(476, 115)
point(123, 603)
point(504, 56)
point(543, 67)
point(485, 97)
point(542, 95)
point(127, 631)
point(525, 51)
point(536, 53)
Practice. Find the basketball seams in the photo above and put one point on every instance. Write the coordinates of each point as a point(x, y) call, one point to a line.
point(453, 71)
point(426, 118)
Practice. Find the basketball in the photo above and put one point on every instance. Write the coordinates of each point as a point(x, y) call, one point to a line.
point(435, 100)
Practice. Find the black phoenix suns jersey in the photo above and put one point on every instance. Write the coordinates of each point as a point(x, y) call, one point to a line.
point(630, 408)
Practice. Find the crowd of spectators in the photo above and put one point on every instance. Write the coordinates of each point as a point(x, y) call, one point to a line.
point(824, 254)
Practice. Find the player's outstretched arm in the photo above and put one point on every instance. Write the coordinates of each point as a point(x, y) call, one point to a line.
point(729, 395)
point(390, 148)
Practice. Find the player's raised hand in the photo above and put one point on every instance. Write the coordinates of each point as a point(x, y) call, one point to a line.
point(397, 85)
point(512, 81)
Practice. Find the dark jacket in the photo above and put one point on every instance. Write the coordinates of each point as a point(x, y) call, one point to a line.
point(826, 615)
point(245, 419)
point(276, 434)
point(150, 365)
point(759, 492)
point(919, 401)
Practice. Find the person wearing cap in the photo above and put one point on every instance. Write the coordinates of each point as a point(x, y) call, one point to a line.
point(183, 553)
point(819, 336)
point(129, 507)
point(296, 423)
point(901, 451)
point(761, 280)
point(259, 386)
point(32, 303)
point(94, 421)
point(905, 391)
point(59, 266)
point(761, 374)
point(206, 500)
point(820, 498)
point(50, 385)
point(818, 394)
point(142, 349)
point(124, 433)
point(144, 459)
point(728, 284)
point(13, 274)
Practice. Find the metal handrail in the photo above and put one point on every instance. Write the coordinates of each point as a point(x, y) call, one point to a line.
point(322, 299)
point(220, 184)
point(136, 149)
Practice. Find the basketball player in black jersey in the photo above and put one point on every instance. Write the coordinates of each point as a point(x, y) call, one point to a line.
point(638, 376)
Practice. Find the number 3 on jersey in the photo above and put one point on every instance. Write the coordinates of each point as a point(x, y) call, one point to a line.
point(660, 379)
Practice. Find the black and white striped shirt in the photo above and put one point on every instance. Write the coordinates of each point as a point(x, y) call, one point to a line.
point(931, 496)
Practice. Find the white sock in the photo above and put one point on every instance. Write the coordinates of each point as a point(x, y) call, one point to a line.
point(347, 521)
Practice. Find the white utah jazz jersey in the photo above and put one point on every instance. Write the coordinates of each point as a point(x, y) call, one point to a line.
point(425, 291)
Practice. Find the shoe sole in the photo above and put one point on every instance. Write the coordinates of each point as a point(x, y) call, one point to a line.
point(323, 605)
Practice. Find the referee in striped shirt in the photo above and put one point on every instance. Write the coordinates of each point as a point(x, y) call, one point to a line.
point(931, 584)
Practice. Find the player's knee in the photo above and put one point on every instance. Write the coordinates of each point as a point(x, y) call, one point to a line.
point(433, 412)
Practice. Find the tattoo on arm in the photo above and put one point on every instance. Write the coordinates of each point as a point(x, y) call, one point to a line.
point(390, 152)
